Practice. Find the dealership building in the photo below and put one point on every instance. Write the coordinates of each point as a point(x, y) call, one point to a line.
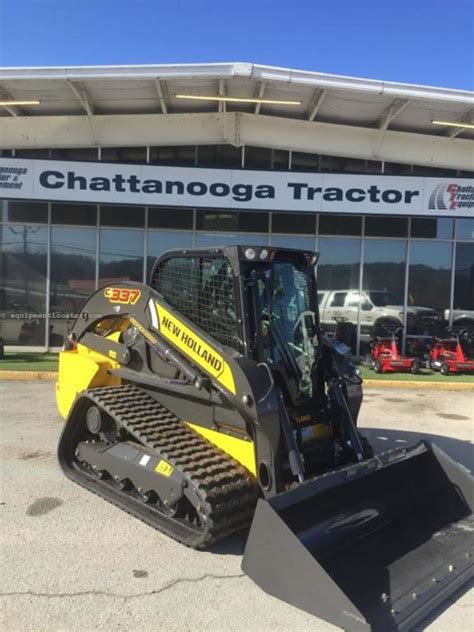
point(104, 168)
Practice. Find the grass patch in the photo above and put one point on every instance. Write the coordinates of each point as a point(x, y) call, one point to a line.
point(50, 361)
point(29, 362)
point(426, 375)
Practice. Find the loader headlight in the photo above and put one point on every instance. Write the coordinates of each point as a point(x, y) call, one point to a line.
point(250, 253)
point(263, 253)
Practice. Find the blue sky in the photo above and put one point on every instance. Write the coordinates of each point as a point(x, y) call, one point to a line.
point(414, 41)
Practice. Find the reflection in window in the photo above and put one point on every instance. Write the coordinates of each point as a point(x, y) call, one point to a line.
point(339, 269)
point(120, 255)
point(72, 276)
point(384, 286)
point(159, 241)
point(463, 308)
point(23, 251)
point(339, 264)
point(429, 282)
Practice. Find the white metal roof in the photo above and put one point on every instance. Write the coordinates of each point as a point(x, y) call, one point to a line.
point(151, 89)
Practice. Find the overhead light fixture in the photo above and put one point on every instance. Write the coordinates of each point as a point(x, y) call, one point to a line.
point(454, 124)
point(199, 97)
point(12, 102)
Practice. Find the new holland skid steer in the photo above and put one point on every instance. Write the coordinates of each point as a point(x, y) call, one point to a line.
point(209, 402)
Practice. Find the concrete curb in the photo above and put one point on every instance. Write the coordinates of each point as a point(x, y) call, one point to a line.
point(440, 386)
point(28, 375)
point(444, 386)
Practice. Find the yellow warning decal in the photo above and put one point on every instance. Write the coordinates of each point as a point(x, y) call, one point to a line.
point(124, 295)
point(193, 346)
point(164, 468)
point(113, 354)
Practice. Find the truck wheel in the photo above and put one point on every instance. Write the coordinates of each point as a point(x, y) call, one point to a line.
point(415, 367)
point(378, 366)
point(444, 369)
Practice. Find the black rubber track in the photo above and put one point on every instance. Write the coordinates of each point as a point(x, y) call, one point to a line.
point(227, 491)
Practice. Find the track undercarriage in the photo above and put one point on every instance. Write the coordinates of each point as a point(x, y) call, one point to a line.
point(129, 449)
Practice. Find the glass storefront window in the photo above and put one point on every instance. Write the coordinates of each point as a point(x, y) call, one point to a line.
point(383, 226)
point(182, 155)
point(295, 223)
point(465, 228)
point(133, 216)
point(383, 286)
point(432, 227)
point(339, 224)
point(82, 153)
point(23, 263)
point(181, 218)
point(429, 283)
point(159, 241)
point(78, 214)
point(304, 162)
point(463, 306)
point(244, 221)
point(73, 253)
point(24, 212)
point(257, 157)
point(120, 255)
point(123, 154)
point(229, 239)
point(338, 274)
point(294, 241)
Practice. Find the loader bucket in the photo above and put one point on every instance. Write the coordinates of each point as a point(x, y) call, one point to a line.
point(373, 546)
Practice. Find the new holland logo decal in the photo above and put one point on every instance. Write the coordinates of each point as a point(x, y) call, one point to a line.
point(451, 197)
point(192, 345)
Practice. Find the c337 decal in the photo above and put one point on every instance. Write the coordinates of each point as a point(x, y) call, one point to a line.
point(194, 347)
point(123, 295)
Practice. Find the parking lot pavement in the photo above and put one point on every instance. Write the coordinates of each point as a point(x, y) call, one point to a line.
point(71, 561)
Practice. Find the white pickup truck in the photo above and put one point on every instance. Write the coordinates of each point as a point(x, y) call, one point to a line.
point(377, 308)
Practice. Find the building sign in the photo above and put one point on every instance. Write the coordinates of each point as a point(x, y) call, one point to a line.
point(149, 185)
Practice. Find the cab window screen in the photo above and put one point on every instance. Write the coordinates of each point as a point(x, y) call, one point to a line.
point(202, 290)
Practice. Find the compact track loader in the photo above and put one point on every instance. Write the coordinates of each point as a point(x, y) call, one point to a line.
point(209, 402)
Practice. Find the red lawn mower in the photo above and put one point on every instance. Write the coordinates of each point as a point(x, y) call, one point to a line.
point(386, 356)
point(453, 354)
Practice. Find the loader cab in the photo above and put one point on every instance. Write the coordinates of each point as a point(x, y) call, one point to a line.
point(259, 302)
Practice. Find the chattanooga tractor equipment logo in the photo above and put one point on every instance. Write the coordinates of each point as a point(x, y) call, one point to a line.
point(450, 197)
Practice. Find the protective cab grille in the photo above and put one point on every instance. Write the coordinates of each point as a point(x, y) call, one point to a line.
point(203, 290)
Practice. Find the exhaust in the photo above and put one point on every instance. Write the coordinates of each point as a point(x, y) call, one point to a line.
point(373, 546)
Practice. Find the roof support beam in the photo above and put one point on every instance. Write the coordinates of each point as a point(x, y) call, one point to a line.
point(161, 95)
point(237, 128)
point(11, 109)
point(222, 92)
point(467, 118)
point(391, 113)
point(85, 100)
point(259, 94)
point(387, 117)
point(317, 101)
